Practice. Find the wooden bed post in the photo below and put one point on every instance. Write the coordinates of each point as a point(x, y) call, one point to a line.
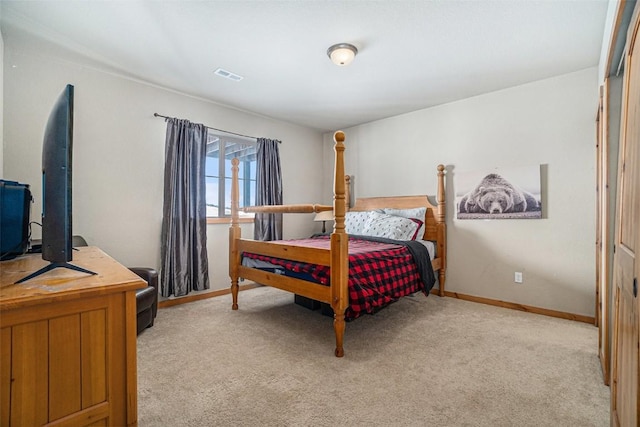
point(347, 191)
point(441, 228)
point(234, 234)
point(339, 247)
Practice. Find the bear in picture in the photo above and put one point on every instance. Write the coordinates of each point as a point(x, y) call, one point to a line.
point(494, 195)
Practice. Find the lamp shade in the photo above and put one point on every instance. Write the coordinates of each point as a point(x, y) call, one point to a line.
point(342, 54)
point(324, 216)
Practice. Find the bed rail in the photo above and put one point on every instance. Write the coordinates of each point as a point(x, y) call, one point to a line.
point(287, 209)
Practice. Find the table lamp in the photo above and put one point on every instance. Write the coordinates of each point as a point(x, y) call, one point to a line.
point(324, 216)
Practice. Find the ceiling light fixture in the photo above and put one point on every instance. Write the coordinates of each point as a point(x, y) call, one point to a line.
point(342, 54)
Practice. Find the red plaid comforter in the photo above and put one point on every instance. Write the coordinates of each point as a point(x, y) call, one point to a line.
point(379, 273)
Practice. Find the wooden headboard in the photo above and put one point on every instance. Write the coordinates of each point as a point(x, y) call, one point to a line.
point(402, 202)
point(435, 213)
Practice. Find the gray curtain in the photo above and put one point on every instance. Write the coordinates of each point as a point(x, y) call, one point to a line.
point(268, 190)
point(184, 239)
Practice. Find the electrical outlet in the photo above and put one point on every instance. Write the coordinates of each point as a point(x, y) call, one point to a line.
point(518, 277)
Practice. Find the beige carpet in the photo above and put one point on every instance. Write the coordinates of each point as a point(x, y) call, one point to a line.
point(420, 362)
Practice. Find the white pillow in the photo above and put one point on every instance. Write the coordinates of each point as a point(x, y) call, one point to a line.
point(417, 213)
point(390, 226)
point(354, 222)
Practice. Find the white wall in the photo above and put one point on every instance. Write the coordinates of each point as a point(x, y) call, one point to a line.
point(119, 154)
point(549, 123)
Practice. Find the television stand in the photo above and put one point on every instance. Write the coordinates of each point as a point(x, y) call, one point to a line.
point(53, 265)
point(67, 345)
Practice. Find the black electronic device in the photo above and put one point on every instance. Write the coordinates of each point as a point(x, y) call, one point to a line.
point(15, 210)
point(57, 155)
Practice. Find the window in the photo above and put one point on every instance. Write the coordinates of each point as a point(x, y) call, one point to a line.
point(220, 150)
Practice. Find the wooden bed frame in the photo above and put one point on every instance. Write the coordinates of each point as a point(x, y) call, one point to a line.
point(337, 257)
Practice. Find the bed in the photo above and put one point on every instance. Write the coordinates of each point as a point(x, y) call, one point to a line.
point(331, 253)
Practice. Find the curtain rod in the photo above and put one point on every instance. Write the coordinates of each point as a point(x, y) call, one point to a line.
point(219, 130)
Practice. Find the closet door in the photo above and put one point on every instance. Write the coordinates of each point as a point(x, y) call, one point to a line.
point(625, 406)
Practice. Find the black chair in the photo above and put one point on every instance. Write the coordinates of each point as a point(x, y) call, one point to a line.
point(146, 298)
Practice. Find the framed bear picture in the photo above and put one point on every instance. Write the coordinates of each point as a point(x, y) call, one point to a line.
point(502, 193)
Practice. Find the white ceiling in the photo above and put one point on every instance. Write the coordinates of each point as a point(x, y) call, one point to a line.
point(412, 54)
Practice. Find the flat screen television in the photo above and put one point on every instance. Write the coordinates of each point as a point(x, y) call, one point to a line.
point(57, 156)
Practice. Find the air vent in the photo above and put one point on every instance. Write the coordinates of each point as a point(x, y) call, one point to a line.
point(228, 75)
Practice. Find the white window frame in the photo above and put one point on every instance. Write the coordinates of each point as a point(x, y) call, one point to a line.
point(217, 141)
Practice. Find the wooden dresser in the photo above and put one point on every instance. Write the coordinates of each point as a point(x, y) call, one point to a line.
point(68, 343)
